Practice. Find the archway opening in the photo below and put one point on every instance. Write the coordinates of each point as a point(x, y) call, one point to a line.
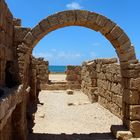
point(109, 29)
point(77, 100)
point(76, 45)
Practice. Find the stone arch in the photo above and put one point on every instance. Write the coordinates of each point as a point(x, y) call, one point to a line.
point(130, 67)
point(92, 20)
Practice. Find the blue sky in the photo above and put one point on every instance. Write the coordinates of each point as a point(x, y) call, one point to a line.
point(73, 45)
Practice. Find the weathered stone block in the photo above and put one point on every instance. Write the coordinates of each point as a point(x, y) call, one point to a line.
point(117, 100)
point(123, 39)
point(67, 17)
point(17, 22)
point(107, 27)
point(116, 88)
point(37, 32)
point(135, 83)
point(45, 25)
point(53, 21)
point(107, 61)
point(120, 41)
point(23, 48)
point(127, 55)
point(101, 21)
point(135, 128)
point(91, 21)
point(135, 112)
point(115, 33)
point(130, 73)
point(19, 33)
point(81, 17)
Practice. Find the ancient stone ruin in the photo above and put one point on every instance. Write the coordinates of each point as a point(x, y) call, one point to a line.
point(114, 85)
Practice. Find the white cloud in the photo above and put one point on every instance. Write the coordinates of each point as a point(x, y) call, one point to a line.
point(54, 55)
point(74, 5)
point(44, 55)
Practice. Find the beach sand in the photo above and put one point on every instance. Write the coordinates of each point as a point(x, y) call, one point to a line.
point(57, 77)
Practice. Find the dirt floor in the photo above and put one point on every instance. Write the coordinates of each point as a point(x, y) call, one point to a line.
point(71, 117)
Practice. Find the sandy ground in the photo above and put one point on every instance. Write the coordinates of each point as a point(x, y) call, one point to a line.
point(57, 77)
point(69, 114)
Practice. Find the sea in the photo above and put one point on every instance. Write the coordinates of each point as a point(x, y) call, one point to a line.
point(57, 69)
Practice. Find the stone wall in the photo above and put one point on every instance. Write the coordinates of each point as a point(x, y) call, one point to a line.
point(109, 85)
point(101, 81)
point(89, 80)
point(42, 68)
point(39, 75)
point(13, 121)
point(13, 97)
point(73, 76)
point(6, 43)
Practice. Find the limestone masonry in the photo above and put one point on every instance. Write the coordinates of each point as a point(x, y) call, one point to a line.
point(102, 83)
point(116, 86)
point(74, 76)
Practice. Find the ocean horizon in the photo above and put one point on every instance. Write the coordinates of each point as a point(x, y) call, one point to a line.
point(57, 69)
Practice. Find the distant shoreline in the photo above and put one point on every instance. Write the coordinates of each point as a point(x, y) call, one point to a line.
point(58, 69)
point(57, 73)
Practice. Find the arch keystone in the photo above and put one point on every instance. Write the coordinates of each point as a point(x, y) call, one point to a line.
point(91, 21)
point(81, 17)
point(67, 17)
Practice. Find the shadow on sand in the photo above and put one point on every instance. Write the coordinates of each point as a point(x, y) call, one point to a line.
point(93, 136)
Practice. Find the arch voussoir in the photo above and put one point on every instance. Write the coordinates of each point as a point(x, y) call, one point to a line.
point(37, 32)
point(44, 24)
point(107, 27)
point(91, 21)
point(122, 39)
point(115, 33)
point(54, 22)
point(101, 21)
point(118, 42)
point(127, 55)
point(67, 17)
point(81, 17)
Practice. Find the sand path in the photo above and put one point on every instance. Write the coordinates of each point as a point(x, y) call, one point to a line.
point(57, 77)
point(69, 114)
